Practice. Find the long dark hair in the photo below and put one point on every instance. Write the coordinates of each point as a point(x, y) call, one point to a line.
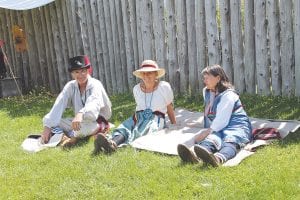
point(217, 70)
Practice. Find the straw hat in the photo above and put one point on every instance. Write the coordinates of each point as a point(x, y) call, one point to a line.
point(149, 66)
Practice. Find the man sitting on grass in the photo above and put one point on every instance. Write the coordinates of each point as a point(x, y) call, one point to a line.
point(89, 101)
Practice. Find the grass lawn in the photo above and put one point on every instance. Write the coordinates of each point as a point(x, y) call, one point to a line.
point(272, 173)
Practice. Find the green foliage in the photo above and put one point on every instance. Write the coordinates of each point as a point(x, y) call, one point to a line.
point(272, 173)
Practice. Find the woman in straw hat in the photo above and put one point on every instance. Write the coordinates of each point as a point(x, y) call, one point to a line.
point(88, 99)
point(228, 127)
point(153, 99)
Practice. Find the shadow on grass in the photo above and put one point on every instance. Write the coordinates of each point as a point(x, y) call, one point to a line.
point(291, 139)
point(34, 104)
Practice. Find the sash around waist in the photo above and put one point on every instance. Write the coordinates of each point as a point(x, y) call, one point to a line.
point(157, 113)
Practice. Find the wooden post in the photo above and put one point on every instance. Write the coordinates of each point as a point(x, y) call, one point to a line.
point(274, 41)
point(182, 49)
point(192, 51)
point(249, 55)
point(159, 32)
point(201, 40)
point(226, 38)
point(297, 46)
point(108, 29)
point(261, 49)
point(237, 46)
point(40, 47)
point(104, 51)
point(171, 42)
point(130, 63)
point(212, 32)
point(287, 48)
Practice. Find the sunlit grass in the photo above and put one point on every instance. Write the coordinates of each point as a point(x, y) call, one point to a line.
point(272, 173)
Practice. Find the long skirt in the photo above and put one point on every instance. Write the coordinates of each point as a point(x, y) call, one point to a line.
point(138, 125)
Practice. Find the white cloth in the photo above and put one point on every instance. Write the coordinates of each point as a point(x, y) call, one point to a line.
point(159, 99)
point(33, 145)
point(189, 125)
point(92, 103)
point(23, 4)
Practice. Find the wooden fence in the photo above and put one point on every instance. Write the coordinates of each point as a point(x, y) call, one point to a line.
point(257, 42)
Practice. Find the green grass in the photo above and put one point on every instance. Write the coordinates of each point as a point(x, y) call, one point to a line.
point(272, 173)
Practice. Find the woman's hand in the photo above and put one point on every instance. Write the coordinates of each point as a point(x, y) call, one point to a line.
point(202, 135)
point(77, 121)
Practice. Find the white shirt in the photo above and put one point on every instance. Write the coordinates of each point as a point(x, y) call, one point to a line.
point(158, 100)
point(92, 103)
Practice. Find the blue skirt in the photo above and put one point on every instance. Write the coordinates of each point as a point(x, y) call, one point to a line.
point(139, 125)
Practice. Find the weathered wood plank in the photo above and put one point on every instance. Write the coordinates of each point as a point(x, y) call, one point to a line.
point(119, 16)
point(133, 28)
point(261, 49)
point(9, 46)
point(139, 32)
point(108, 29)
point(26, 76)
point(66, 24)
point(54, 71)
point(191, 36)
point(128, 45)
point(72, 16)
point(48, 59)
point(274, 42)
point(116, 46)
point(99, 65)
point(237, 46)
point(226, 42)
point(182, 49)
point(201, 40)
point(40, 47)
point(249, 55)
point(104, 50)
point(62, 36)
point(297, 46)
point(32, 53)
point(287, 48)
point(57, 47)
point(146, 29)
point(171, 42)
point(212, 33)
point(90, 33)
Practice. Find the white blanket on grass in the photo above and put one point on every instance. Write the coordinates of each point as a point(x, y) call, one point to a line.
point(190, 123)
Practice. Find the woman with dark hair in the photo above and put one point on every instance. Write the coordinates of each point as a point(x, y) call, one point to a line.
point(227, 125)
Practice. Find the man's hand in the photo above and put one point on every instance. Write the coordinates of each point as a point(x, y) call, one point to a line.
point(76, 121)
point(46, 135)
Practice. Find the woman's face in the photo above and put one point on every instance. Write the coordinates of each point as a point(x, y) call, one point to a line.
point(149, 77)
point(80, 75)
point(211, 81)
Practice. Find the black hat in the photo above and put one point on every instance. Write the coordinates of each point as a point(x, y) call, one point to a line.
point(79, 62)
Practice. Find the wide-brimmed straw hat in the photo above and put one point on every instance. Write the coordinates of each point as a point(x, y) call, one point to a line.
point(79, 62)
point(149, 66)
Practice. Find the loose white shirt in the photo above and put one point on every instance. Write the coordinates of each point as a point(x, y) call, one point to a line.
point(92, 103)
point(158, 100)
